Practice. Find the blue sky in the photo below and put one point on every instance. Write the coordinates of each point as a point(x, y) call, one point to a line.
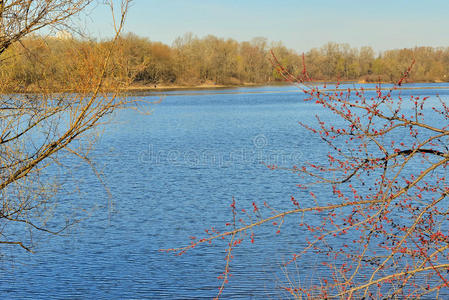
point(300, 24)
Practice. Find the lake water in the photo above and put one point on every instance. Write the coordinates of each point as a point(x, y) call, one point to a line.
point(172, 175)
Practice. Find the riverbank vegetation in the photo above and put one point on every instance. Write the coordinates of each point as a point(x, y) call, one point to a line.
point(43, 131)
point(60, 63)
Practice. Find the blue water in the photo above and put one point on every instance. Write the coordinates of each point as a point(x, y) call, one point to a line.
point(172, 175)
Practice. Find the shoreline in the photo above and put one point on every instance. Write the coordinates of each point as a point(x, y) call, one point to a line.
point(149, 88)
point(161, 88)
point(202, 87)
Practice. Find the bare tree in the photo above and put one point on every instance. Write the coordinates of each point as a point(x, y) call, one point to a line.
point(382, 229)
point(36, 129)
point(22, 17)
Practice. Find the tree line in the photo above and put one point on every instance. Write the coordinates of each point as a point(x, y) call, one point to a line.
point(59, 64)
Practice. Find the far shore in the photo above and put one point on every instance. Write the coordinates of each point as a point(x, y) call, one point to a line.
point(162, 87)
point(135, 88)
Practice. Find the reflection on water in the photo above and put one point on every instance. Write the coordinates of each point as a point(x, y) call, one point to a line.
point(173, 175)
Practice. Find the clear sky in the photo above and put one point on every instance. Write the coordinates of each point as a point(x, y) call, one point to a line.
point(300, 24)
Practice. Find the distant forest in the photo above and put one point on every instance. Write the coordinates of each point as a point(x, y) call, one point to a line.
point(190, 61)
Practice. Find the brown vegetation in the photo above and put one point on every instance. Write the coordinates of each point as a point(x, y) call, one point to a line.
point(38, 129)
point(208, 61)
point(381, 231)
